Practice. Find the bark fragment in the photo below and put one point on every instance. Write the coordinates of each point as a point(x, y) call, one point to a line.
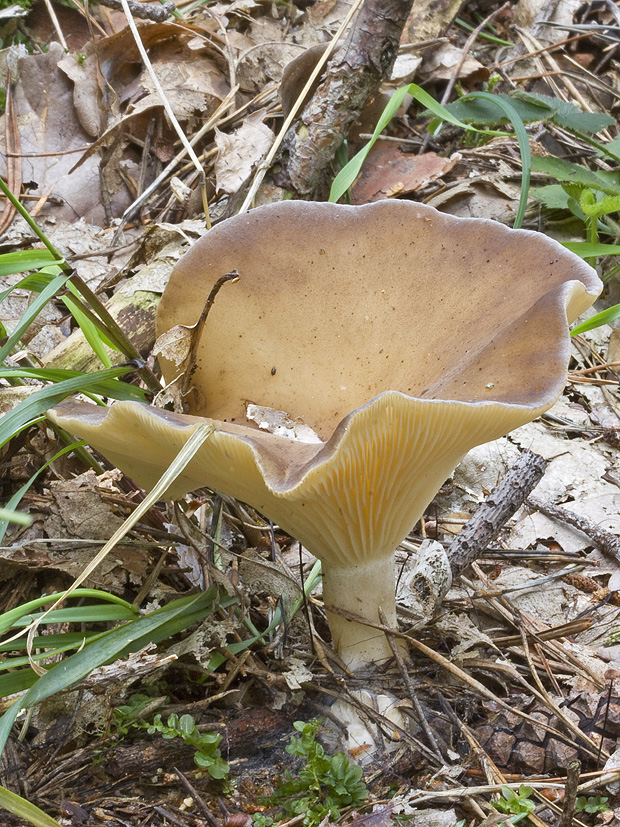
point(352, 77)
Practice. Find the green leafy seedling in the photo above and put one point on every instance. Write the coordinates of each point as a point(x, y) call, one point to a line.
point(127, 715)
point(324, 785)
point(592, 804)
point(207, 755)
point(519, 804)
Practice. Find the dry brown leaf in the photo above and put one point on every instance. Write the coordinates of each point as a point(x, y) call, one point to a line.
point(241, 151)
point(49, 131)
point(389, 172)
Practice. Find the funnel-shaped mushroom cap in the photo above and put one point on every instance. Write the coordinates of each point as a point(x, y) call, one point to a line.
point(404, 337)
point(337, 304)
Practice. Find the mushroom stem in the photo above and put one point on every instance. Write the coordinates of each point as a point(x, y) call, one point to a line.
point(360, 589)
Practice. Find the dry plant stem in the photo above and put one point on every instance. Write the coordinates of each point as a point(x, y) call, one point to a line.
point(113, 329)
point(505, 499)
point(466, 49)
point(214, 119)
point(266, 164)
point(166, 104)
point(608, 543)
point(413, 696)
point(352, 77)
point(233, 276)
point(206, 812)
point(479, 687)
point(13, 162)
point(570, 794)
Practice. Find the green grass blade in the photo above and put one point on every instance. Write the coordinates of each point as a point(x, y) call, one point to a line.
point(68, 639)
point(17, 496)
point(35, 282)
point(91, 334)
point(605, 317)
point(524, 146)
point(34, 406)
point(24, 809)
point(76, 667)
point(31, 313)
point(20, 262)
point(106, 387)
point(12, 617)
point(350, 171)
point(587, 249)
point(30, 221)
point(106, 613)
point(8, 515)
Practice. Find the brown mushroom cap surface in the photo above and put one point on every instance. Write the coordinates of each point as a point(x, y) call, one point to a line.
point(348, 302)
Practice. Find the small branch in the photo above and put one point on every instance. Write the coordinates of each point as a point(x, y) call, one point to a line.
point(607, 542)
point(413, 696)
point(353, 76)
point(192, 359)
point(142, 10)
point(570, 794)
point(501, 504)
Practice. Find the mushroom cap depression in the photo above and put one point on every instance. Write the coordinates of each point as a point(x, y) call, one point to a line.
point(402, 336)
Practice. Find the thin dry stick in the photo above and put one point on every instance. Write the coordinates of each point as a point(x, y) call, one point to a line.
point(56, 25)
point(607, 542)
point(466, 49)
point(413, 695)
point(129, 212)
point(266, 164)
point(145, 11)
point(192, 359)
point(570, 794)
point(464, 676)
point(13, 161)
point(166, 104)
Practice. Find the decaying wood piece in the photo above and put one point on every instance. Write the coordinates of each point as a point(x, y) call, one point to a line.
point(501, 504)
point(135, 314)
point(352, 77)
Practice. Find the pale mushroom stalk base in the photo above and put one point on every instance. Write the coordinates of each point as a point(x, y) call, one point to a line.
point(361, 590)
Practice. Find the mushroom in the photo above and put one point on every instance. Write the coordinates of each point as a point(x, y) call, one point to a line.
point(402, 336)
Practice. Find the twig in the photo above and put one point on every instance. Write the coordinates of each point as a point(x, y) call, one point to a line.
point(192, 359)
point(352, 78)
point(466, 49)
point(132, 208)
point(428, 732)
point(607, 542)
point(144, 11)
point(266, 164)
point(198, 800)
point(13, 161)
point(505, 499)
point(166, 104)
point(570, 794)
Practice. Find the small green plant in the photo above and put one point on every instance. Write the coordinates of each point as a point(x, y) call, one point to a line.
point(592, 804)
point(325, 783)
point(207, 755)
point(519, 804)
point(127, 715)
